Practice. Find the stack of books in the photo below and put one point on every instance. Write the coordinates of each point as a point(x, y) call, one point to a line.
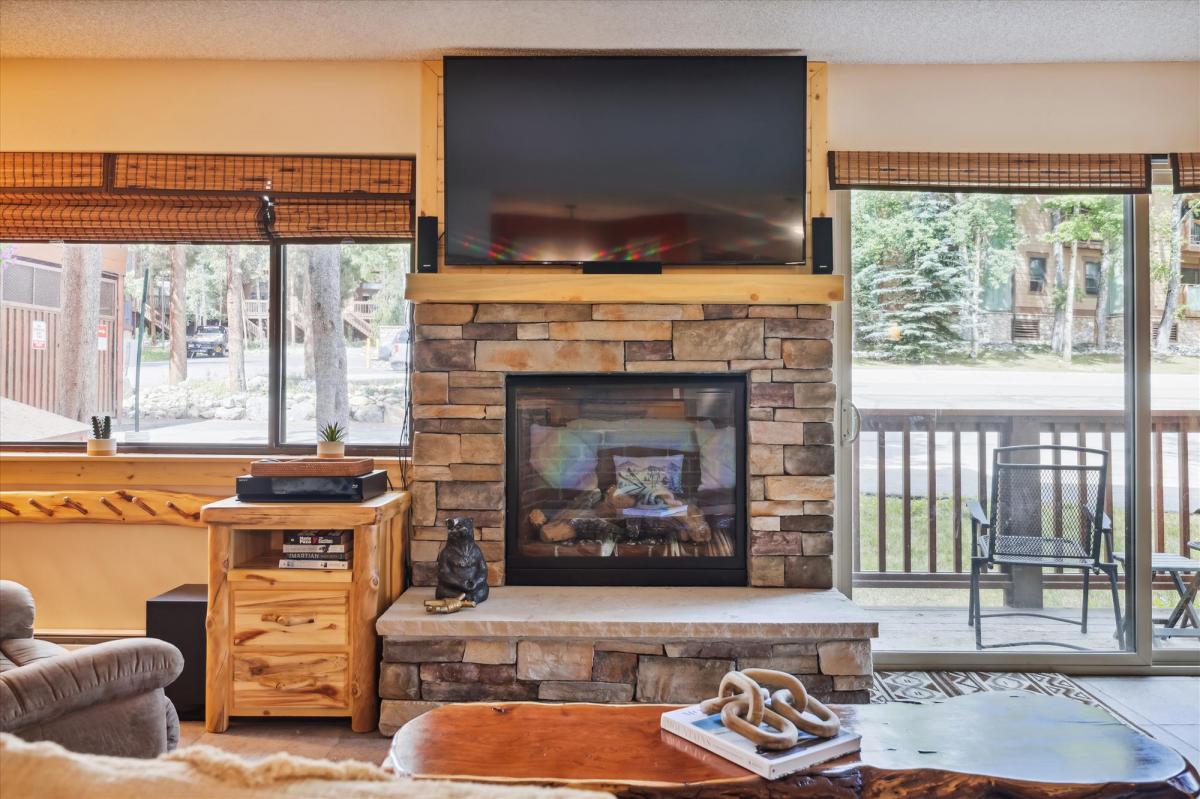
point(317, 549)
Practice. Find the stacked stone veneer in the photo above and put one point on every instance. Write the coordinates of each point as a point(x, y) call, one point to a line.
point(418, 675)
point(462, 353)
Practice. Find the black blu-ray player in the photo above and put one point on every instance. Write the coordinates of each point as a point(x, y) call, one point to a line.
point(312, 489)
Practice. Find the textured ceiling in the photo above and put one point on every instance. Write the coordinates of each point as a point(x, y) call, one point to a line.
point(841, 31)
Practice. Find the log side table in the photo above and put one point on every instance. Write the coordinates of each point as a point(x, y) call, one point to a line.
point(1013, 744)
point(297, 642)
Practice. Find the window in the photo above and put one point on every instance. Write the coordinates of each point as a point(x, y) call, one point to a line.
point(1194, 238)
point(1037, 275)
point(346, 329)
point(1189, 279)
point(1091, 278)
point(183, 343)
point(199, 375)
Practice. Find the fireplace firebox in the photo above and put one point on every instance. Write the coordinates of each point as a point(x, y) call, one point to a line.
point(621, 479)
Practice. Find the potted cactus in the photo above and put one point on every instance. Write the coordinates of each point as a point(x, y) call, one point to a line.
point(102, 442)
point(331, 441)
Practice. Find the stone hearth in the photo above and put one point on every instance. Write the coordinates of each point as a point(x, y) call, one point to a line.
point(598, 644)
point(463, 351)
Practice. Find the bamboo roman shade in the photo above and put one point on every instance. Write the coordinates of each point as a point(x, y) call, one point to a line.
point(1046, 173)
point(1185, 172)
point(128, 197)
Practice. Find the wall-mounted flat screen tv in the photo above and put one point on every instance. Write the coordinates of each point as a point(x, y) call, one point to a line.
point(567, 160)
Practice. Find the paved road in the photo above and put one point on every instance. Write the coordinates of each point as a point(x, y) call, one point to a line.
point(155, 373)
point(945, 387)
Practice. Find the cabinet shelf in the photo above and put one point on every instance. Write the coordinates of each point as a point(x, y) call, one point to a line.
point(269, 562)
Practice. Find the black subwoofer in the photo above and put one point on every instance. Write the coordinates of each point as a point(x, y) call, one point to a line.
point(177, 617)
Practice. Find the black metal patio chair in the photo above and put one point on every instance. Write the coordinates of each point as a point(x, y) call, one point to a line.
point(1044, 514)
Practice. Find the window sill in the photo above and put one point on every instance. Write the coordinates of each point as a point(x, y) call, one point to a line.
point(75, 448)
point(212, 474)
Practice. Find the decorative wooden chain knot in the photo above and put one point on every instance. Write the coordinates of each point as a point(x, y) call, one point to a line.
point(743, 705)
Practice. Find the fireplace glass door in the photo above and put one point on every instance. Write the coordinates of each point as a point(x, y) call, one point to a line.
point(626, 479)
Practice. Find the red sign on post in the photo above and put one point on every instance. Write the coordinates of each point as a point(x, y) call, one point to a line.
point(102, 337)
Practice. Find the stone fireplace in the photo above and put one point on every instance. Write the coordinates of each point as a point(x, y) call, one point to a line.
point(546, 423)
point(782, 354)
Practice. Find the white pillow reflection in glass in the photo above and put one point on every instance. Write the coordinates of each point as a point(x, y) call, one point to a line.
point(652, 481)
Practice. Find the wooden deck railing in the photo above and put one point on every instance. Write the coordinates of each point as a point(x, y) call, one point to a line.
point(957, 446)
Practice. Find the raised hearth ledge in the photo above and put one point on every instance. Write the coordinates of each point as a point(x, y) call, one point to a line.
point(725, 614)
point(732, 287)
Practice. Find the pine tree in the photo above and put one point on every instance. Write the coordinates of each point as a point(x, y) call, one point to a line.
point(909, 274)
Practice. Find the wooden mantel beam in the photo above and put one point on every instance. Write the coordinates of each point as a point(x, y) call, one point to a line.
point(731, 287)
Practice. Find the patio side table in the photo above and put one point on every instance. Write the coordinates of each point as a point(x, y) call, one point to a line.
point(1183, 620)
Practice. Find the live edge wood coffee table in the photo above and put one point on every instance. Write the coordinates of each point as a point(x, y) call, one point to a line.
point(1012, 745)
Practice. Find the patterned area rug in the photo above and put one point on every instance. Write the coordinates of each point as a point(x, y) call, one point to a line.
point(922, 686)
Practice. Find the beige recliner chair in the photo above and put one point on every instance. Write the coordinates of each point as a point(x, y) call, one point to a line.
point(104, 699)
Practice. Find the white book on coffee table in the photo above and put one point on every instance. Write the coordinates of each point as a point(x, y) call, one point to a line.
point(707, 731)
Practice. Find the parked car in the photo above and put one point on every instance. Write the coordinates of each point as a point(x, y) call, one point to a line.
point(208, 340)
point(393, 346)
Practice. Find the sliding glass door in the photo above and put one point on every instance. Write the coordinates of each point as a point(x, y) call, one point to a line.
point(1175, 427)
point(979, 322)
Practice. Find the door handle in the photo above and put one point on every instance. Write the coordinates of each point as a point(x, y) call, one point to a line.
point(851, 413)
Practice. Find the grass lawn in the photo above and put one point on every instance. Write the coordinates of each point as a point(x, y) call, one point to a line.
point(155, 353)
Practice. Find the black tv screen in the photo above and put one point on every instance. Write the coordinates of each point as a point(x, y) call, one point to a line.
point(567, 160)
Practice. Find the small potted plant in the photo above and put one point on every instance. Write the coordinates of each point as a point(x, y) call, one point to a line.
point(102, 442)
point(331, 441)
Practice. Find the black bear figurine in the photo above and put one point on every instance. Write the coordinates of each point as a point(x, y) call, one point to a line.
point(461, 568)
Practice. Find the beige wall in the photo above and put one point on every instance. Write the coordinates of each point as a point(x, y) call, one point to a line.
point(374, 106)
point(98, 577)
point(1146, 108)
point(211, 106)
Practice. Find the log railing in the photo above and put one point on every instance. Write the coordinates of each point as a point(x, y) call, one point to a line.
point(907, 456)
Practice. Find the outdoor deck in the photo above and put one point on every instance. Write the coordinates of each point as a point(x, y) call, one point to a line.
point(911, 556)
point(945, 630)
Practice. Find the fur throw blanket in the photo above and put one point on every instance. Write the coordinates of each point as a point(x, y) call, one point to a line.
point(45, 770)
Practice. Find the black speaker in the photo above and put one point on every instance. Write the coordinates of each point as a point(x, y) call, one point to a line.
point(427, 244)
point(177, 617)
point(822, 245)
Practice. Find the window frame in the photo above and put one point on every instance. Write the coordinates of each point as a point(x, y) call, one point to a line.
point(1040, 280)
point(1091, 283)
point(1134, 600)
point(276, 443)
